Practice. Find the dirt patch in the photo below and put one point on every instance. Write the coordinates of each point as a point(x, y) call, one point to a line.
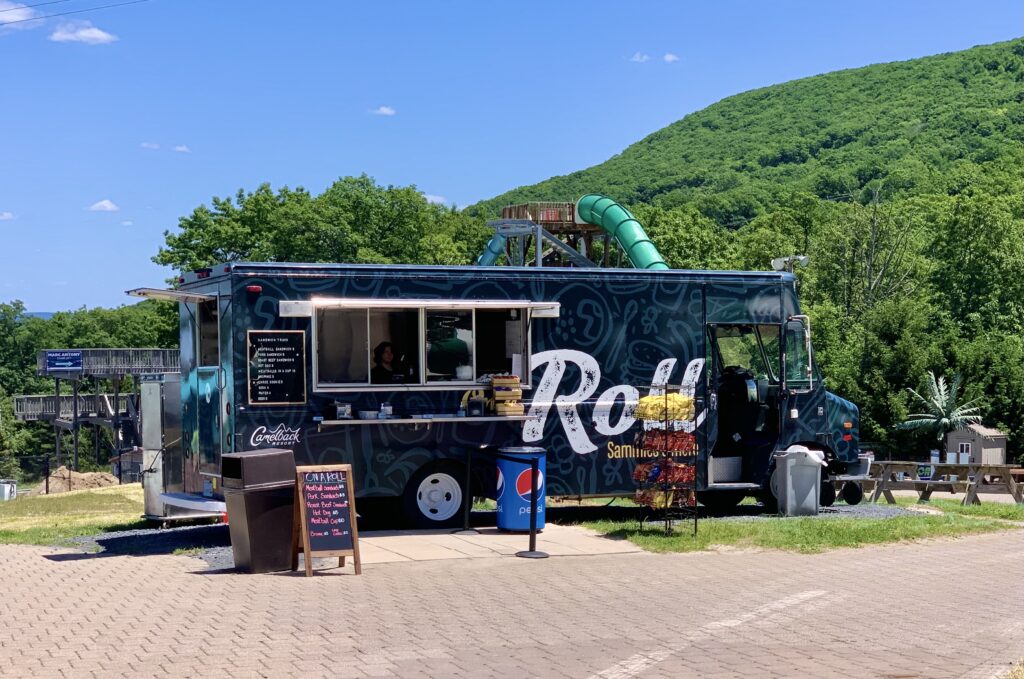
point(63, 479)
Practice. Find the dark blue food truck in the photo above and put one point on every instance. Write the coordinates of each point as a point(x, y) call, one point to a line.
point(392, 369)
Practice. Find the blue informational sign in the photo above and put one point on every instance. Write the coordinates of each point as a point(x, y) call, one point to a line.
point(65, 360)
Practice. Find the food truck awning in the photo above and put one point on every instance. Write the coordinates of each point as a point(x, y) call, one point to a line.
point(172, 295)
point(304, 308)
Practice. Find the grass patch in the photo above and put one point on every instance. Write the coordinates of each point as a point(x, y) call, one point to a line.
point(804, 535)
point(188, 551)
point(1017, 672)
point(991, 510)
point(52, 519)
point(591, 502)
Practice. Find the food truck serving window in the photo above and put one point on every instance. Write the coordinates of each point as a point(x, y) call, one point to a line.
point(426, 343)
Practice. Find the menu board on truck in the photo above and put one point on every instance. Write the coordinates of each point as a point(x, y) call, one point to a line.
point(325, 515)
point(277, 367)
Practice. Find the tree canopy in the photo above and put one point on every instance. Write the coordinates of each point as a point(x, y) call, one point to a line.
point(353, 220)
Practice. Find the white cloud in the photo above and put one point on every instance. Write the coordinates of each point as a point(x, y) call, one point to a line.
point(17, 12)
point(127, 222)
point(105, 205)
point(150, 146)
point(383, 111)
point(670, 57)
point(431, 198)
point(182, 148)
point(6, 216)
point(82, 31)
point(639, 57)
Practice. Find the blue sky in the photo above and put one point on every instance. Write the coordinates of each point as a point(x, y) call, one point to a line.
point(116, 122)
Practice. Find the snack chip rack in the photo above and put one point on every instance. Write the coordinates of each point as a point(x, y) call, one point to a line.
point(666, 484)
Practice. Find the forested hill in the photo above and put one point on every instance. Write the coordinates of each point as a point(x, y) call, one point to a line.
point(928, 125)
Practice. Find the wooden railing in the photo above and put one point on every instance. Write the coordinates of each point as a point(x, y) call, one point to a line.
point(29, 408)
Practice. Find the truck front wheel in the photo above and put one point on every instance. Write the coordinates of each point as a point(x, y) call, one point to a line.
point(434, 496)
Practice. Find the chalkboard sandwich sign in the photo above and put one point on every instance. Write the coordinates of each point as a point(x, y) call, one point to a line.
point(277, 367)
point(325, 515)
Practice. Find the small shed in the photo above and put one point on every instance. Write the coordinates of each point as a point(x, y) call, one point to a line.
point(984, 445)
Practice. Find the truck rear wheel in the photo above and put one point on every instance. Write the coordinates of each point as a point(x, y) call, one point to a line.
point(852, 493)
point(434, 496)
point(720, 501)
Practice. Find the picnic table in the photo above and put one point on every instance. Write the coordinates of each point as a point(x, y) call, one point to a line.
point(926, 478)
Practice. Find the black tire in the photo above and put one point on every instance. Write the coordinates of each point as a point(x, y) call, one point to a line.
point(769, 503)
point(380, 513)
point(852, 493)
point(827, 496)
point(720, 501)
point(435, 496)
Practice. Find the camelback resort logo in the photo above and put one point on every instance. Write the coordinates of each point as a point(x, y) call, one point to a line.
point(281, 437)
point(547, 397)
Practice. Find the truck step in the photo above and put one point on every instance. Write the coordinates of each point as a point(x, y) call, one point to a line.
point(734, 486)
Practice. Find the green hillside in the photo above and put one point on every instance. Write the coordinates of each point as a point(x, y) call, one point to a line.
point(903, 183)
point(921, 126)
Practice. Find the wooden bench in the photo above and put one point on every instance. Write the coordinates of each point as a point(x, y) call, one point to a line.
point(966, 478)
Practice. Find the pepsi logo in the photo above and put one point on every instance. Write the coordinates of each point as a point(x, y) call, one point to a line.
point(501, 483)
point(523, 483)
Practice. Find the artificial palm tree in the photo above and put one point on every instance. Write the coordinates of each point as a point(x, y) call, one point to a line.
point(942, 414)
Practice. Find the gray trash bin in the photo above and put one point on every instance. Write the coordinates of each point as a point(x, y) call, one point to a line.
point(797, 480)
point(8, 489)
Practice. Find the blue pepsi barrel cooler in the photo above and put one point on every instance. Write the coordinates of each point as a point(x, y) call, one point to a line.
point(514, 488)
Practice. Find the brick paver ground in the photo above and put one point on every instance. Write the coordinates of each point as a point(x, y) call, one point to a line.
point(937, 609)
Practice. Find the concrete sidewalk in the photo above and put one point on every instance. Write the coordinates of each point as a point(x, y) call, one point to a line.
point(939, 609)
point(395, 546)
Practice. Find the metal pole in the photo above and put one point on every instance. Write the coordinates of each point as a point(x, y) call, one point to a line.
point(533, 553)
point(46, 471)
point(74, 419)
point(56, 415)
point(95, 428)
point(466, 529)
point(533, 504)
point(116, 434)
point(539, 246)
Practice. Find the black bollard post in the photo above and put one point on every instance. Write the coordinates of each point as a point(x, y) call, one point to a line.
point(533, 553)
point(466, 528)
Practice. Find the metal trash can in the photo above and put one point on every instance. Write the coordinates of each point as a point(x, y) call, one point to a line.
point(259, 491)
point(514, 487)
point(8, 489)
point(797, 480)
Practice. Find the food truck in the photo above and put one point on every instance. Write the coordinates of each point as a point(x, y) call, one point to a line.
point(393, 369)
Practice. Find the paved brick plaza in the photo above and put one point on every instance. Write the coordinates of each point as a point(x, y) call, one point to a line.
point(938, 609)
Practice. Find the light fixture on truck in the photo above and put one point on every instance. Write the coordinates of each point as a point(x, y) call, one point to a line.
point(303, 308)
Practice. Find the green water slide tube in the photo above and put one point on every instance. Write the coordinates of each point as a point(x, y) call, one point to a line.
point(605, 213)
point(495, 248)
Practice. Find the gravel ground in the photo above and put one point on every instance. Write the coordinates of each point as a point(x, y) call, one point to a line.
point(213, 540)
point(212, 543)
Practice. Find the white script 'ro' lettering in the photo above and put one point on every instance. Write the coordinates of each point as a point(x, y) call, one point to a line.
point(546, 397)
